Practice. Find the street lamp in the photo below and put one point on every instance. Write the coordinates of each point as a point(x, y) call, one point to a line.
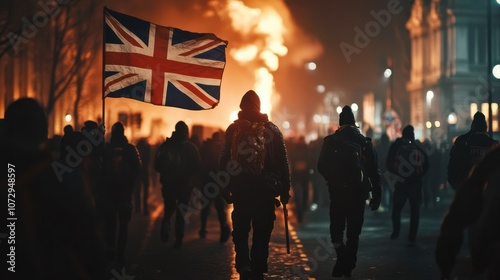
point(496, 70)
point(311, 66)
point(388, 73)
point(452, 122)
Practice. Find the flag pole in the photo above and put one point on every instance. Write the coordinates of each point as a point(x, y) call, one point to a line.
point(103, 69)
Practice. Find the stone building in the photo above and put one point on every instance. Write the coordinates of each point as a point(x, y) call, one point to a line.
point(449, 61)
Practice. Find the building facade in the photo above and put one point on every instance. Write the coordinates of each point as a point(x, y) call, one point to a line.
point(449, 65)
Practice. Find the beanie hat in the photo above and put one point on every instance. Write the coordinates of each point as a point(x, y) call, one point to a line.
point(346, 116)
point(250, 102)
point(408, 133)
point(182, 128)
point(479, 122)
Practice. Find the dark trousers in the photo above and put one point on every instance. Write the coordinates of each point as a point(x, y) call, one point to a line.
point(259, 217)
point(411, 191)
point(347, 210)
point(116, 219)
point(175, 200)
point(220, 207)
point(142, 187)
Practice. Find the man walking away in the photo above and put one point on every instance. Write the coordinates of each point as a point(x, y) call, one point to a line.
point(210, 152)
point(468, 149)
point(122, 165)
point(255, 156)
point(178, 161)
point(408, 163)
point(348, 162)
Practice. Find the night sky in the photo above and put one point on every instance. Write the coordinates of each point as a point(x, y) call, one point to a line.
point(333, 22)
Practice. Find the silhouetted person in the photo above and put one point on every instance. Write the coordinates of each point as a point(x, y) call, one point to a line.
point(320, 191)
point(300, 175)
point(143, 187)
point(68, 128)
point(56, 237)
point(468, 149)
point(348, 162)
point(210, 152)
point(254, 163)
point(476, 202)
point(121, 169)
point(408, 163)
point(431, 180)
point(178, 162)
point(382, 149)
point(93, 163)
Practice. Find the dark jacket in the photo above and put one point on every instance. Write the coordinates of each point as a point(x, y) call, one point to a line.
point(185, 172)
point(413, 169)
point(372, 180)
point(476, 201)
point(120, 181)
point(467, 150)
point(275, 163)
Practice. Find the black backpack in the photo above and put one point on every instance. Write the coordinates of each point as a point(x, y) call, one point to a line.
point(409, 160)
point(169, 159)
point(118, 165)
point(466, 154)
point(248, 146)
point(348, 161)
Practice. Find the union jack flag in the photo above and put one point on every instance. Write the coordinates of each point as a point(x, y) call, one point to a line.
point(161, 65)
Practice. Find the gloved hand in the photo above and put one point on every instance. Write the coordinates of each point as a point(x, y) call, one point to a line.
point(374, 204)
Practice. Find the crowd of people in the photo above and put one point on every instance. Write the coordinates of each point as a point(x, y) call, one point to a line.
point(76, 193)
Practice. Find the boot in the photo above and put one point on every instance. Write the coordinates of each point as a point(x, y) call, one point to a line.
point(350, 265)
point(340, 265)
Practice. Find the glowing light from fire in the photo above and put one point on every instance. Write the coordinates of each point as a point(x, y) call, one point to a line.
point(245, 54)
point(266, 26)
point(233, 116)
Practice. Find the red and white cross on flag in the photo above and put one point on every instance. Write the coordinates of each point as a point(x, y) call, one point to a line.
point(161, 65)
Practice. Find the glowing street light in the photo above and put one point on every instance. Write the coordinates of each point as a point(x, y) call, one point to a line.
point(496, 69)
point(320, 88)
point(67, 117)
point(452, 118)
point(388, 73)
point(311, 66)
point(339, 110)
point(316, 118)
point(354, 107)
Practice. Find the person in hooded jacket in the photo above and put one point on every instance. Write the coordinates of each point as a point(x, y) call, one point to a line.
point(476, 202)
point(348, 197)
point(178, 162)
point(468, 149)
point(253, 191)
point(121, 170)
point(407, 170)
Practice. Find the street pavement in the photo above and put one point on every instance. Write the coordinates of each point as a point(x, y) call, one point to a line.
point(312, 255)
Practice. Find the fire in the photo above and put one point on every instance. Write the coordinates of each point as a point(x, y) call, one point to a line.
point(265, 25)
